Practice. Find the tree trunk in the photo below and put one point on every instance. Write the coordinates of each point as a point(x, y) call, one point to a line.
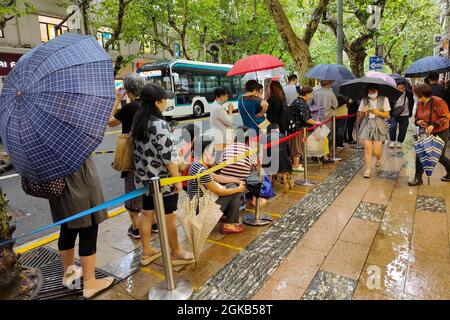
point(14, 283)
point(297, 48)
point(357, 59)
point(86, 22)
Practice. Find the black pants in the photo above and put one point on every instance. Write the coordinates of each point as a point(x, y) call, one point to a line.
point(341, 127)
point(402, 123)
point(88, 239)
point(230, 205)
point(443, 159)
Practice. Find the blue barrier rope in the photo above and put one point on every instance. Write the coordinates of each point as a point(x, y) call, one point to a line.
point(105, 205)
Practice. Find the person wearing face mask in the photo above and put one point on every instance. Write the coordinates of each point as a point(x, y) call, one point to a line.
point(221, 118)
point(400, 118)
point(372, 113)
point(433, 116)
point(154, 156)
point(302, 117)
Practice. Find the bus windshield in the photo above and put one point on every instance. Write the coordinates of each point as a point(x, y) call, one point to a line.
point(160, 77)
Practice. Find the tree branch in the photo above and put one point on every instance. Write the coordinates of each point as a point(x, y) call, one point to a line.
point(313, 24)
point(118, 30)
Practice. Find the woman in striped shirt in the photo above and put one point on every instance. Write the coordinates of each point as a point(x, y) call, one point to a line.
point(229, 195)
point(244, 167)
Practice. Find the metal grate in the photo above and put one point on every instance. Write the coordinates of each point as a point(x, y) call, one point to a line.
point(47, 261)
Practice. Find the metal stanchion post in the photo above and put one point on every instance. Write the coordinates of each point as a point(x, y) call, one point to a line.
point(334, 158)
point(257, 219)
point(305, 181)
point(168, 289)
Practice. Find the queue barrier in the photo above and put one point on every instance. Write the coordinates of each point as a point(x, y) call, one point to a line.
point(181, 289)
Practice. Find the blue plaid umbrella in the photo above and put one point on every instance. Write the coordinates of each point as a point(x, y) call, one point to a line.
point(422, 67)
point(330, 72)
point(429, 150)
point(55, 105)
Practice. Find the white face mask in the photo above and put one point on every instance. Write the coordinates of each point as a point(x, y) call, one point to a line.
point(373, 96)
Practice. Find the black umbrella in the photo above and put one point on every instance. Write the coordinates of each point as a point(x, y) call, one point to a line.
point(357, 89)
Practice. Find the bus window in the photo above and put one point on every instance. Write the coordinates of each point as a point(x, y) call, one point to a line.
point(199, 84)
point(212, 82)
point(237, 86)
point(226, 82)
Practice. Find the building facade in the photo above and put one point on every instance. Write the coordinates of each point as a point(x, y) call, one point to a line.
point(21, 34)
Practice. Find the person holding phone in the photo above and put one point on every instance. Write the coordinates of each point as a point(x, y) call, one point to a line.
point(373, 111)
point(432, 116)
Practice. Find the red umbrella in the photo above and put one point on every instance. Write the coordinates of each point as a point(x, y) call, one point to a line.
point(256, 62)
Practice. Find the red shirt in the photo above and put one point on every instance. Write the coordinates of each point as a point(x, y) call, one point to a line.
point(440, 116)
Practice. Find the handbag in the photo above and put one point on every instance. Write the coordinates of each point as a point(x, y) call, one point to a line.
point(47, 190)
point(124, 155)
point(397, 112)
point(263, 125)
point(267, 188)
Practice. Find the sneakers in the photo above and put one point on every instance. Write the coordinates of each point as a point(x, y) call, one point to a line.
point(392, 144)
point(155, 228)
point(399, 145)
point(446, 178)
point(367, 173)
point(298, 169)
point(134, 233)
point(415, 182)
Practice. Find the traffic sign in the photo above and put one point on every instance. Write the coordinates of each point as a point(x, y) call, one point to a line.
point(376, 63)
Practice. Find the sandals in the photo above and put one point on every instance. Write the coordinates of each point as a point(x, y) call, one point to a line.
point(238, 228)
point(70, 278)
point(183, 258)
point(146, 260)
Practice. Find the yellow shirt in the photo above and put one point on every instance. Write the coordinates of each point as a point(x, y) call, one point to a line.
point(342, 111)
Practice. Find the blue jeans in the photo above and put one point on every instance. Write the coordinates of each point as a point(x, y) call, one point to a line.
point(402, 122)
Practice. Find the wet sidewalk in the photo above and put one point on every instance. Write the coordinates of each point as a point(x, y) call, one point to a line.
point(345, 238)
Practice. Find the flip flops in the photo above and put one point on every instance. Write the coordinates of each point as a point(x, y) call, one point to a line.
point(183, 258)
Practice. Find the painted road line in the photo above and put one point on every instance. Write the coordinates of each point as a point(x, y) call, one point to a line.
point(9, 176)
point(161, 276)
point(55, 236)
point(38, 243)
point(226, 245)
point(155, 273)
point(273, 214)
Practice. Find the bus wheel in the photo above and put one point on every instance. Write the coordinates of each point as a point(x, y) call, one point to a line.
point(197, 111)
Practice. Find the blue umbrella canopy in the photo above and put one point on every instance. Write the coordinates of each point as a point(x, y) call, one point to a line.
point(330, 72)
point(55, 105)
point(422, 67)
point(429, 150)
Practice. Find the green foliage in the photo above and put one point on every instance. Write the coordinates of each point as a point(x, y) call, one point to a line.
point(17, 8)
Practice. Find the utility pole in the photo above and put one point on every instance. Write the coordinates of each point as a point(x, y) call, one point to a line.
point(340, 31)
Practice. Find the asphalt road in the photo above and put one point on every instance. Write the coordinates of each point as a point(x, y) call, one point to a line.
point(30, 213)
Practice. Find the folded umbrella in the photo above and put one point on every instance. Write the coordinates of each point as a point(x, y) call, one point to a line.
point(330, 72)
point(357, 89)
point(55, 105)
point(429, 150)
point(422, 67)
point(198, 218)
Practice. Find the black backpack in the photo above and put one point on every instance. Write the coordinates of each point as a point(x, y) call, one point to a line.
point(287, 120)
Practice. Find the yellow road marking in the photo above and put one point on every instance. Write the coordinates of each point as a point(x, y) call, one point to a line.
point(295, 191)
point(38, 243)
point(226, 245)
point(55, 236)
point(161, 275)
point(153, 272)
point(317, 177)
point(273, 214)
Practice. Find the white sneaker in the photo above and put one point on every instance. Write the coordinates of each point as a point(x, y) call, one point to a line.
point(399, 144)
point(392, 144)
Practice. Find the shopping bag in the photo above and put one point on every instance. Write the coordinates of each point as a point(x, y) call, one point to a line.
point(321, 133)
point(267, 188)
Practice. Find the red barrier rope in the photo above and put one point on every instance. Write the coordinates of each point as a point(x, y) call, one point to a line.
point(348, 116)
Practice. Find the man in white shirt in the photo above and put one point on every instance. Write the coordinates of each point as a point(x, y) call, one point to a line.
point(290, 90)
point(221, 119)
